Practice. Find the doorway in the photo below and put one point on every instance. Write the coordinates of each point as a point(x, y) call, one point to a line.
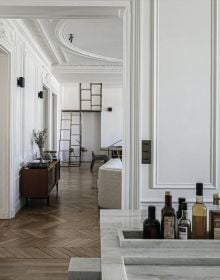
point(129, 11)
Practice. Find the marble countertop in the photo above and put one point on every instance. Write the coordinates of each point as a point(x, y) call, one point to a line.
point(156, 263)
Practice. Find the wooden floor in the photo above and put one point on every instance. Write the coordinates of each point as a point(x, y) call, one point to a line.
point(39, 242)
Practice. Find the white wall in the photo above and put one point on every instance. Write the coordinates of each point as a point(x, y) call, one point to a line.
point(178, 98)
point(112, 122)
point(70, 96)
point(91, 134)
point(25, 113)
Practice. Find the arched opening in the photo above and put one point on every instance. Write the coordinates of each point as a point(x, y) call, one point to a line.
point(4, 134)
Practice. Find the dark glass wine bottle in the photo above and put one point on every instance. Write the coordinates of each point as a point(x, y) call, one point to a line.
point(184, 224)
point(151, 226)
point(168, 219)
point(179, 211)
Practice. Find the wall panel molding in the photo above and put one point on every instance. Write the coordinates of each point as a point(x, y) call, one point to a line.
point(156, 183)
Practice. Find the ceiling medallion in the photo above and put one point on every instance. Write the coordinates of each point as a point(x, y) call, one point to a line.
point(69, 46)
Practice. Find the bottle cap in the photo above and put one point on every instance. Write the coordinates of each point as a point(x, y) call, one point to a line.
point(199, 188)
point(167, 193)
point(216, 195)
point(216, 198)
point(181, 200)
point(184, 206)
point(151, 211)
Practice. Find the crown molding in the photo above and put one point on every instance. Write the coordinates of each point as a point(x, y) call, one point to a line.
point(45, 36)
point(23, 30)
point(7, 34)
point(72, 3)
point(87, 69)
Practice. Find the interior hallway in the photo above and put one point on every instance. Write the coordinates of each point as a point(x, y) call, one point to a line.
point(39, 242)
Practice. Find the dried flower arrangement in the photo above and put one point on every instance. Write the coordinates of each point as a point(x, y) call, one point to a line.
point(40, 137)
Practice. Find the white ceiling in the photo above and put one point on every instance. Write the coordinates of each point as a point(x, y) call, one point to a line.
point(96, 50)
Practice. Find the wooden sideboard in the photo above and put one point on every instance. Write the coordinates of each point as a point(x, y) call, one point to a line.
point(38, 182)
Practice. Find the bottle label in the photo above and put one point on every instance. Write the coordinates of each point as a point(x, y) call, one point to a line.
point(217, 227)
point(169, 228)
point(183, 234)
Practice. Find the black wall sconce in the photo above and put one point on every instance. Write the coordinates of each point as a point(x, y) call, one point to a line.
point(109, 109)
point(21, 82)
point(40, 94)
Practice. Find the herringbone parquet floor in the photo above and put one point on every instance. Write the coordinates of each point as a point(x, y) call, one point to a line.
point(39, 242)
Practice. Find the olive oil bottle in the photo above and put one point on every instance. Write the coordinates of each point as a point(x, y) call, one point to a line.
point(199, 215)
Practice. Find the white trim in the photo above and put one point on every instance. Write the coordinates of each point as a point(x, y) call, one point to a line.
point(7, 189)
point(214, 106)
point(135, 105)
point(88, 69)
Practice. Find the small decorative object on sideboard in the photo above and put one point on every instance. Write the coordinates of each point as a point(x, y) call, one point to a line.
point(40, 137)
point(48, 155)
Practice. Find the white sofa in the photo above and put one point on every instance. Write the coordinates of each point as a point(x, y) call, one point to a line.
point(110, 184)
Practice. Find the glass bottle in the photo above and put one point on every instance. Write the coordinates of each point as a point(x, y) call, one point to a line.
point(179, 211)
point(184, 224)
point(151, 226)
point(199, 215)
point(168, 218)
point(214, 218)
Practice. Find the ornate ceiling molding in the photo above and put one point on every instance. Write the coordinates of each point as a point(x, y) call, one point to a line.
point(50, 45)
point(60, 34)
point(88, 69)
point(6, 33)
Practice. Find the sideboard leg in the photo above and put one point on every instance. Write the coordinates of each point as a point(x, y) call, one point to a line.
point(26, 201)
point(48, 201)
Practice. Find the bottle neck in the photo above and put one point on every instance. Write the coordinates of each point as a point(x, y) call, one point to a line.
point(199, 199)
point(184, 214)
point(151, 217)
point(168, 201)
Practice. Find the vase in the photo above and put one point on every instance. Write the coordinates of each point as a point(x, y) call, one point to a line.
point(41, 150)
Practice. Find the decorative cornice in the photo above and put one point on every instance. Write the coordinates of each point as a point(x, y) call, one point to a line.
point(29, 38)
point(50, 45)
point(105, 69)
point(6, 34)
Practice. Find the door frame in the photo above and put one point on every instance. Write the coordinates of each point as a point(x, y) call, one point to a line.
point(6, 209)
point(130, 12)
